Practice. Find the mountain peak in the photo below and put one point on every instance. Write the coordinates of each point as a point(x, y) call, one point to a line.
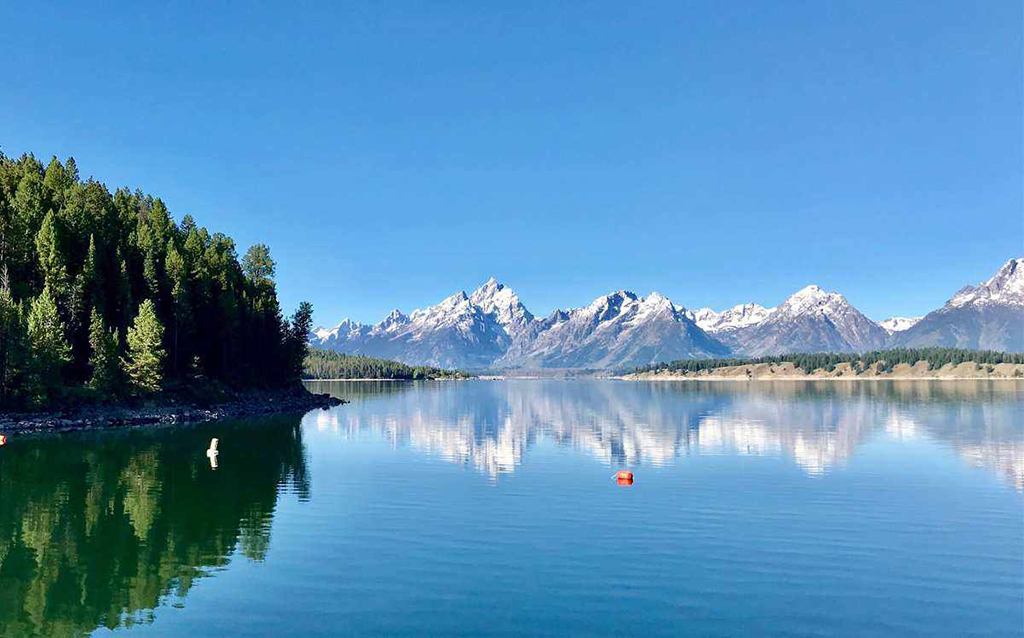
point(812, 299)
point(898, 324)
point(809, 291)
point(495, 298)
point(1004, 287)
point(488, 289)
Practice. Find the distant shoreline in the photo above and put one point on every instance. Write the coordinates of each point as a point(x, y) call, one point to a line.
point(666, 377)
point(787, 371)
point(388, 380)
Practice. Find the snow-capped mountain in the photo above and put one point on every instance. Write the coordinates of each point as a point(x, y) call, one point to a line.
point(809, 320)
point(455, 333)
point(898, 324)
point(500, 301)
point(739, 316)
point(492, 329)
point(989, 316)
point(615, 331)
point(344, 331)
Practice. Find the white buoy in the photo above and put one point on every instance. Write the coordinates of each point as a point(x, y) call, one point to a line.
point(212, 454)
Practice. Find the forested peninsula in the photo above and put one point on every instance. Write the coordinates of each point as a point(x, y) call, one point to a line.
point(106, 300)
point(328, 365)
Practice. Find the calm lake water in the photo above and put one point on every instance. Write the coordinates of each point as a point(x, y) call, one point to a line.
point(487, 507)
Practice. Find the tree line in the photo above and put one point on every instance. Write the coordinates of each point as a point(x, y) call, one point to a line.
point(326, 364)
point(104, 296)
point(809, 362)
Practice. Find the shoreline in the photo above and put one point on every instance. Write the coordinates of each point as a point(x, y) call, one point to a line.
point(244, 404)
point(787, 371)
point(379, 380)
point(717, 379)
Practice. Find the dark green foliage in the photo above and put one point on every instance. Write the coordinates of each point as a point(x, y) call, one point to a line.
point(296, 341)
point(887, 359)
point(324, 364)
point(109, 253)
point(144, 365)
point(106, 370)
point(13, 347)
point(49, 351)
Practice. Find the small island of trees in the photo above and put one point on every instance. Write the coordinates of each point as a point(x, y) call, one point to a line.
point(104, 297)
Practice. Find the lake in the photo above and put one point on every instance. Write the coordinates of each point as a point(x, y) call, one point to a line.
point(489, 508)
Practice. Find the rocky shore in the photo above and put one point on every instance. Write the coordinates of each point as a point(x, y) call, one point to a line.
point(169, 411)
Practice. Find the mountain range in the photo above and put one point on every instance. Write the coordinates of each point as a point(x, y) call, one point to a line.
point(491, 329)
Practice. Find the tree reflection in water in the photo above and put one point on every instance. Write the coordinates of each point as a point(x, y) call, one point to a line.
point(96, 530)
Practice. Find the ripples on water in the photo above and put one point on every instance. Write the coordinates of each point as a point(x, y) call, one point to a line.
point(871, 508)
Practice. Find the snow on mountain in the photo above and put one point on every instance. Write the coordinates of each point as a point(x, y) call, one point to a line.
point(502, 302)
point(1005, 287)
point(345, 330)
point(898, 324)
point(491, 328)
point(989, 316)
point(617, 330)
point(455, 333)
point(809, 320)
point(739, 316)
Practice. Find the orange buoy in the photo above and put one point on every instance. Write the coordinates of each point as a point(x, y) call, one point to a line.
point(3, 440)
point(625, 481)
point(624, 475)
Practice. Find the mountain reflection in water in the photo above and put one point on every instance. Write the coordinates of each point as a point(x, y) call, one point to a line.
point(108, 529)
point(819, 425)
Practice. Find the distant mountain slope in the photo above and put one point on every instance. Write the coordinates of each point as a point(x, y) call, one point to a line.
point(491, 328)
point(809, 320)
point(616, 330)
point(898, 324)
point(455, 333)
point(740, 316)
point(989, 316)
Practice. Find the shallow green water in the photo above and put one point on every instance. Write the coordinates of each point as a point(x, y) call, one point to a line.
point(857, 508)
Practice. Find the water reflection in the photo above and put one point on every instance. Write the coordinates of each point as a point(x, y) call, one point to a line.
point(99, 530)
point(819, 425)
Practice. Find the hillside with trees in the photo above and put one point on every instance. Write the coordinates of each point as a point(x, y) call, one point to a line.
point(325, 364)
point(104, 296)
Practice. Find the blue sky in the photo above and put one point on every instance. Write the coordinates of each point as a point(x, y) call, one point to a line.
point(393, 153)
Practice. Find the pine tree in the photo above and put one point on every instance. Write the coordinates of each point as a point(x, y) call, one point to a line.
point(124, 298)
point(13, 346)
point(51, 256)
point(104, 362)
point(93, 279)
point(144, 365)
point(50, 349)
point(296, 341)
point(177, 273)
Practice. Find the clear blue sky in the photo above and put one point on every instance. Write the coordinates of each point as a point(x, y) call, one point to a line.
point(393, 153)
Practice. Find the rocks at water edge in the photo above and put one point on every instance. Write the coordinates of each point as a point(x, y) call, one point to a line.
point(242, 405)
